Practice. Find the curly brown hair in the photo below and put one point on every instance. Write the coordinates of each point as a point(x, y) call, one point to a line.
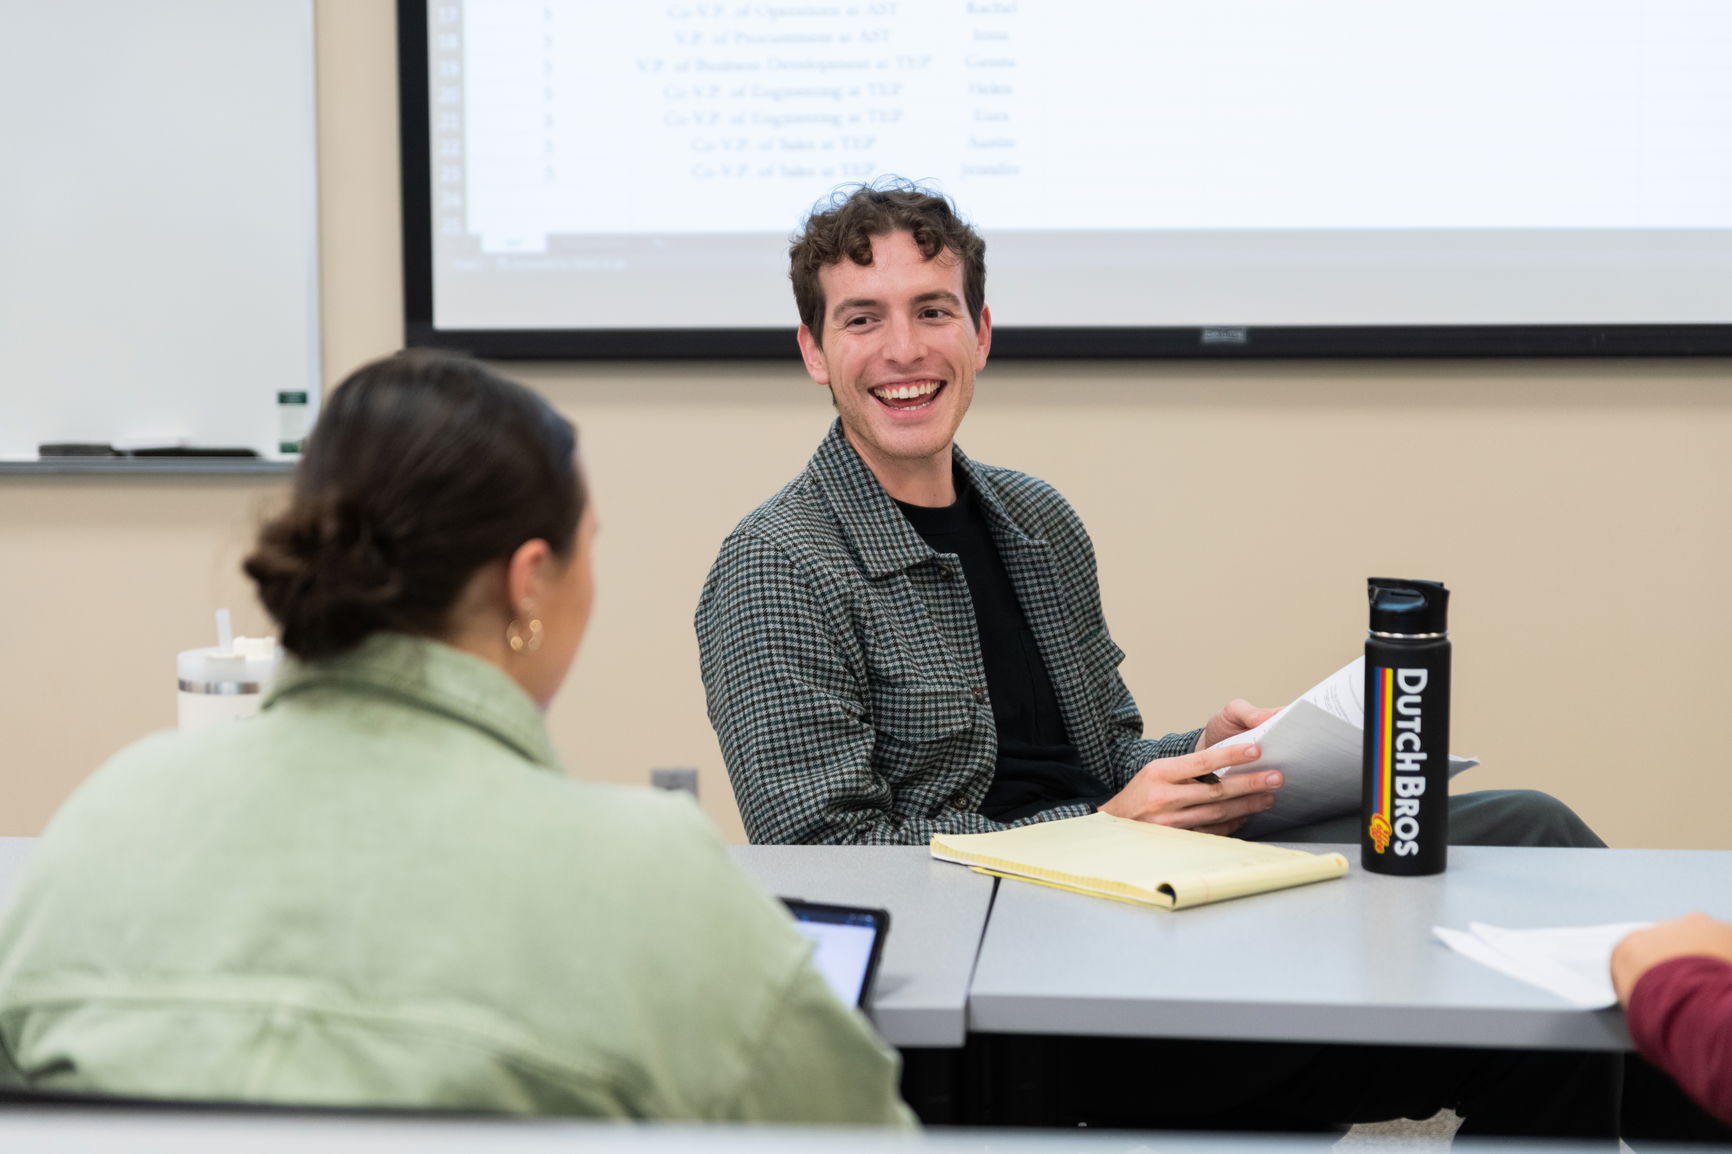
point(843, 224)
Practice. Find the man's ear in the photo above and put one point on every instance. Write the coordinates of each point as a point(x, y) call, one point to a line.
point(982, 338)
point(813, 354)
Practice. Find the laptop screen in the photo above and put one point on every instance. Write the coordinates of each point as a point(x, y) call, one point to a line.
point(846, 944)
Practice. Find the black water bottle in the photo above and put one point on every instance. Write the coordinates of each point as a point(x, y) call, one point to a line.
point(1405, 811)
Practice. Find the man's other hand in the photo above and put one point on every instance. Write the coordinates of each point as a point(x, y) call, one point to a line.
point(1166, 791)
point(1235, 717)
point(1693, 935)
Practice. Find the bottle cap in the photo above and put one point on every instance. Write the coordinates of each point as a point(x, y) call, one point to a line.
point(1407, 608)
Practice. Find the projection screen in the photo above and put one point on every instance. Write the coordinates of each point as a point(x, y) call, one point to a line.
point(1152, 177)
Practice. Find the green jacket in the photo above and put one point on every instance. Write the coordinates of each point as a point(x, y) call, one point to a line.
point(382, 891)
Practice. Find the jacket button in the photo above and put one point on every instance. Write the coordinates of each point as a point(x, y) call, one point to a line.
point(959, 802)
point(979, 694)
point(949, 572)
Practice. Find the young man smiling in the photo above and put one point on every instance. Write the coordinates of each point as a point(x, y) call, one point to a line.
point(898, 347)
point(904, 641)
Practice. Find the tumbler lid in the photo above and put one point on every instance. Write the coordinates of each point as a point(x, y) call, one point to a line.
point(247, 661)
point(1407, 608)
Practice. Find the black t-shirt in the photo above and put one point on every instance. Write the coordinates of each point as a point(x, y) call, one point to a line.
point(1038, 767)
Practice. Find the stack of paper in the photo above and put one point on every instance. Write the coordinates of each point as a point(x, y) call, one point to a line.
point(1134, 861)
point(1574, 962)
point(1318, 742)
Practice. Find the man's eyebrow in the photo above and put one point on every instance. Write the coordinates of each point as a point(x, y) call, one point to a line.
point(853, 303)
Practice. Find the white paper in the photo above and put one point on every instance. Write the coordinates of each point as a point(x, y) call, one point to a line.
point(1573, 962)
point(1318, 743)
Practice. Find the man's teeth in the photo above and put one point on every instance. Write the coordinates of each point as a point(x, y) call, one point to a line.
point(906, 392)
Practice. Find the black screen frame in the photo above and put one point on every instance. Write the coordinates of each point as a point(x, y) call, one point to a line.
point(802, 910)
point(1008, 341)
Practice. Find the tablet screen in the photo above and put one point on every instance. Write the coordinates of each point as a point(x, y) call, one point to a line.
point(846, 943)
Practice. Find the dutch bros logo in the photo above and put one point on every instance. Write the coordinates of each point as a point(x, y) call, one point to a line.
point(1395, 713)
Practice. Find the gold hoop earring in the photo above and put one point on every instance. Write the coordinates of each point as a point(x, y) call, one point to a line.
point(520, 643)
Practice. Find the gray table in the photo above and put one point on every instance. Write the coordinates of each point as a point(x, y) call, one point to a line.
point(1340, 961)
point(937, 914)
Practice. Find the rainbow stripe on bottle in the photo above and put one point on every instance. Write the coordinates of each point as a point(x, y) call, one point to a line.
point(1380, 716)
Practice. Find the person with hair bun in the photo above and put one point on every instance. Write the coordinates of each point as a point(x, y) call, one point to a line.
point(382, 891)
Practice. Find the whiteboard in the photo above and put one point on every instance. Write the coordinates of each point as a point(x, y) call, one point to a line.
point(158, 222)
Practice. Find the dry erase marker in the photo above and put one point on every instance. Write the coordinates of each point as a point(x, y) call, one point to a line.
point(292, 421)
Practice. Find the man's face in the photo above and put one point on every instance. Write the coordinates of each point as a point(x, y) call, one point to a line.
point(899, 352)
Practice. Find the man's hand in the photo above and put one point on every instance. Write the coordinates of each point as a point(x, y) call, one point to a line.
point(1690, 936)
point(1166, 792)
point(1235, 717)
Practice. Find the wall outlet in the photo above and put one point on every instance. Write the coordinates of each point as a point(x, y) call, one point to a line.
point(679, 778)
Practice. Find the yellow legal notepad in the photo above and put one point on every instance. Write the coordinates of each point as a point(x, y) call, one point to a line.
point(1134, 861)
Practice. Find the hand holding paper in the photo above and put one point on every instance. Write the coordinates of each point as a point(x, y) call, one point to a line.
point(1237, 717)
point(1572, 962)
point(1188, 792)
point(1318, 744)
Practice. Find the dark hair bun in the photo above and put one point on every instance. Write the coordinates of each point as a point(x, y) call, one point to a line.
point(424, 467)
point(326, 575)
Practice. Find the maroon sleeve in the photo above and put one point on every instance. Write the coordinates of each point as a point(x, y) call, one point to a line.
point(1681, 1019)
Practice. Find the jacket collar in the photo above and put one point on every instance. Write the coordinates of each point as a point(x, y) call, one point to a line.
point(432, 676)
point(882, 537)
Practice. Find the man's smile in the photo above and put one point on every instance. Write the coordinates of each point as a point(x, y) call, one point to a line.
point(906, 396)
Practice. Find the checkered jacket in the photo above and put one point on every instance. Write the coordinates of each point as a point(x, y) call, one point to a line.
point(841, 660)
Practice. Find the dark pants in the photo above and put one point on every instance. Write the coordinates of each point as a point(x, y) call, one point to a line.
point(1135, 1083)
point(1656, 1110)
point(1487, 817)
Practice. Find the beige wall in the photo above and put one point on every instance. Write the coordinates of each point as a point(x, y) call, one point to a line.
point(1578, 510)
